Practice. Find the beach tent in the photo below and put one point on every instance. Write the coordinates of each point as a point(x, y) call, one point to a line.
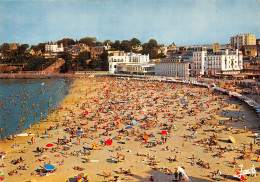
point(184, 174)
point(2, 176)
point(82, 177)
point(240, 176)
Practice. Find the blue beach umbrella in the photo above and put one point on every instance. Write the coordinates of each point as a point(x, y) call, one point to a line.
point(79, 132)
point(128, 127)
point(49, 167)
point(134, 122)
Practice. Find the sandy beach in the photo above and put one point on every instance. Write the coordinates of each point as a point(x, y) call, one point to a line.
point(129, 130)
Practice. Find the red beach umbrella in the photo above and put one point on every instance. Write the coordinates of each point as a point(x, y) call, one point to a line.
point(164, 132)
point(109, 142)
point(86, 112)
point(117, 118)
point(49, 145)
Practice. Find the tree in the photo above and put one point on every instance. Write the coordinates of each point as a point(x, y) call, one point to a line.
point(104, 61)
point(152, 43)
point(66, 42)
point(81, 60)
point(35, 48)
point(41, 46)
point(90, 41)
point(134, 42)
point(5, 47)
point(117, 45)
point(126, 46)
point(23, 48)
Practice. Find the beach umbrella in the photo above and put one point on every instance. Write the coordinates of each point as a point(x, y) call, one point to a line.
point(128, 127)
point(49, 167)
point(94, 145)
point(64, 137)
point(82, 177)
point(145, 137)
point(2, 176)
point(207, 105)
point(232, 139)
point(129, 106)
point(117, 118)
point(134, 122)
point(240, 176)
point(152, 93)
point(79, 132)
point(164, 132)
point(109, 142)
point(86, 112)
point(2, 153)
point(49, 145)
point(148, 124)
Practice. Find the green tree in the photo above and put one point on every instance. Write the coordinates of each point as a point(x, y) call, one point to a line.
point(134, 42)
point(81, 60)
point(35, 48)
point(116, 45)
point(5, 47)
point(23, 48)
point(104, 61)
point(90, 41)
point(66, 42)
point(126, 46)
point(41, 46)
point(152, 43)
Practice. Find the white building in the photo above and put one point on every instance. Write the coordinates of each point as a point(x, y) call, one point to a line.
point(136, 68)
point(125, 58)
point(175, 67)
point(54, 47)
point(216, 63)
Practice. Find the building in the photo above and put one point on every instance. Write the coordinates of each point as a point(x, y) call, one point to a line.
point(236, 42)
point(177, 65)
point(95, 52)
point(137, 47)
point(14, 46)
point(249, 50)
point(53, 47)
point(210, 63)
point(74, 50)
point(114, 61)
point(136, 68)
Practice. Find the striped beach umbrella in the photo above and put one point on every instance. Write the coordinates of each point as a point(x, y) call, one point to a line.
point(2, 176)
point(94, 145)
point(82, 177)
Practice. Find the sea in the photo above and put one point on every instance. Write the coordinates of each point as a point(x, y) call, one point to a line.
point(24, 102)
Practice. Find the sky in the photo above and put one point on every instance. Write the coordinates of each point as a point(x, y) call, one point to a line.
point(184, 22)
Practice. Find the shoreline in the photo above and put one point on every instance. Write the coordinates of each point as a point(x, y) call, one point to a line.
point(92, 90)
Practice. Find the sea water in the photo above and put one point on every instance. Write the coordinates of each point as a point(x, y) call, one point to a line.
point(24, 102)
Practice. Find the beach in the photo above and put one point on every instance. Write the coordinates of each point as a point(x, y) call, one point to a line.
point(130, 130)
